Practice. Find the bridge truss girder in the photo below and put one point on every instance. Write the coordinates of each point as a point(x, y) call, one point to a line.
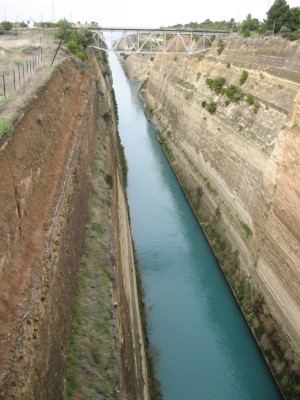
point(157, 41)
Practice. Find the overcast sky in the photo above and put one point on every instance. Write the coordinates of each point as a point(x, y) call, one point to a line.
point(135, 13)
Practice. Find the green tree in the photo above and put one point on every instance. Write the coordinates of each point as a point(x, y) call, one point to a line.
point(277, 16)
point(294, 19)
point(250, 24)
point(6, 25)
point(64, 28)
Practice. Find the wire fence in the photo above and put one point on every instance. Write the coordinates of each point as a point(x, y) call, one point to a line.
point(12, 82)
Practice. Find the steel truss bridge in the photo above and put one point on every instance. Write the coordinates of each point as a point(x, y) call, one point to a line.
point(151, 41)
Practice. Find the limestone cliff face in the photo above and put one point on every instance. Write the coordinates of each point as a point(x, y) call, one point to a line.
point(137, 67)
point(245, 155)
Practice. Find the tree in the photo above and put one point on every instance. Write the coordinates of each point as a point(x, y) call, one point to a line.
point(6, 25)
point(64, 27)
point(249, 25)
point(294, 18)
point(278, 15)
point(231, 24)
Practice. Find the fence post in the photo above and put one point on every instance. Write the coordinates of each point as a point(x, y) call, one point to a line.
point(14, 80)
point(19, 77)
point(23, 72)
point(4, 87)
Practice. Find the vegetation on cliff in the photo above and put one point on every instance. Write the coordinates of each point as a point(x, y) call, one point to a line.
point(76, 40)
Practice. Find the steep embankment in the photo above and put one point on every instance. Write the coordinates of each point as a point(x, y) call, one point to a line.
point(44, 190)
point(43, 200)
point(234, 143)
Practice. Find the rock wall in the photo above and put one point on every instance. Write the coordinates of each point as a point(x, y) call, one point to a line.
point(243, 156)
point(137, 67)
point(44, 193)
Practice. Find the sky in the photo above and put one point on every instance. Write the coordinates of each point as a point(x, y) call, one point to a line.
point(134, 13)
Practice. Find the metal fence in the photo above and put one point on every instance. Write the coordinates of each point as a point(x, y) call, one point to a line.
point(12, 82)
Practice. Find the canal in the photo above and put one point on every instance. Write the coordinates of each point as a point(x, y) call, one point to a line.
point(206, 350)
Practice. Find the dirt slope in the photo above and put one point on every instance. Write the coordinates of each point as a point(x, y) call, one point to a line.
point(43, 193)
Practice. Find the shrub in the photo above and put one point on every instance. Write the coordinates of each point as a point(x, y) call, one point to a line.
point(256, 107)
point(7, 25)
point(244, 76)
point(77, 40)
point(72, 46)
point(246, 33)
point(212, 107)
point(228, 65)
point(109, 180)
point(216, 84)
point(250, 99)
point(233, 93)
point(247, 229)
point(190, 95)
point(203, 103)
point(81, 55)
point(221, 46)
point(107, 117)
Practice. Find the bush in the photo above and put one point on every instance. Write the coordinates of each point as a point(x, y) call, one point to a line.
point(81, 55)
point(77, 40)
point(216, 84)
point(6, 25)
point(72, 46)
point(233, 93)
point(293, 35)
point(107, 117)
point(212, 107)
point(221, 46)
point(109, 180)
point(256, 107)
point(246, 33)
point(247, 229)
point(250, 99)
point(244, 77)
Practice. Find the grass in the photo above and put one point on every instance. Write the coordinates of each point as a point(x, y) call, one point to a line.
point(6, 128)
point(247, 229)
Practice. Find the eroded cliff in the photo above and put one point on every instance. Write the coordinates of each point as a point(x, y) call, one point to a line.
point(44, 193)
point(230, 125)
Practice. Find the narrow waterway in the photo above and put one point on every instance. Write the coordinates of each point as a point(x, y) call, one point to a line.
point(206, 351)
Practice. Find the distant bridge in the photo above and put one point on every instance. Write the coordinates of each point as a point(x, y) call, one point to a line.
point(151, 41)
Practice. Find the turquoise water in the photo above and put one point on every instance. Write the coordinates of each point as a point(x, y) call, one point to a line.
point(206, 351)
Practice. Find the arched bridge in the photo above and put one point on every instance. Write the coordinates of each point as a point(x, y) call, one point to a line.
point(149, 40)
